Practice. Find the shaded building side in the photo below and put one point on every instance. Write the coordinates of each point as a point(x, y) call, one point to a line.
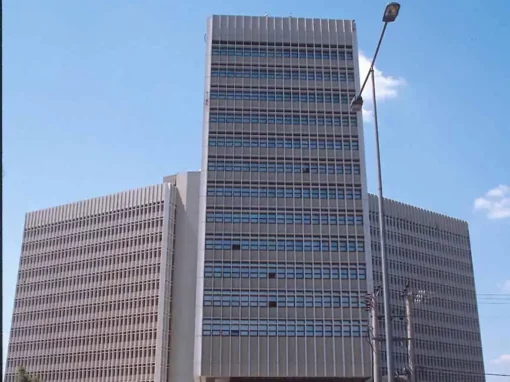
point(431, 254)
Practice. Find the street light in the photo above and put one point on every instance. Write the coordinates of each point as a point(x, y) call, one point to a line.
point(391, 12)
point(390, 15)
point(357, 104)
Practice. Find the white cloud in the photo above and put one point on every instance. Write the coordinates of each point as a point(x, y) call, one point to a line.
point(496, 202)
point(387, 87)
point(503, 359)
point(367, 114)
point(505, 287)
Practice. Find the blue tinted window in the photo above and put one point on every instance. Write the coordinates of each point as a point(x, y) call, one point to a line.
point(305, 193)
point(281, 245)
point(272, 327)
point(277, 167)
point(282, 96)
point(261, 270)
point(281, 298)
point(304, 120)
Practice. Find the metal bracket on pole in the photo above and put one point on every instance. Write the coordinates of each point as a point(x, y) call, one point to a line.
point(371, 302)
point(409, 297)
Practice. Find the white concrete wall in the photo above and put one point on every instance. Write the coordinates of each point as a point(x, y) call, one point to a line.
point(184, 277)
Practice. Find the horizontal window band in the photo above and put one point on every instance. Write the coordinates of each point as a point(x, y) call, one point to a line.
point(262, 88)
point(282, 111)
point(237, 236)
point(281, 52)
point(288, 264)
point(281, 135)
point(249, 209)
point(287, 67)
point(282, 159)
point(283, 292)
point(279, 44)
point(288, 244)
point(280, 67)
point(284, 168)
point(283, 184)
point(291, 193)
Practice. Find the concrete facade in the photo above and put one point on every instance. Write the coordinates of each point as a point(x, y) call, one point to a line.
point(184, 277)
point(431, 254)
point(107, 291)
point(283, 233)
point(96, 291)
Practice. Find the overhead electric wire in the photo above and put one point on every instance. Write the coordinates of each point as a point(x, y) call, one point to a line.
point(493, 298)
point(463, 372)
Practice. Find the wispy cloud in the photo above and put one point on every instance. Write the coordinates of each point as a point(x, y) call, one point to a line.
point(387, 87)
point(503, 359)
point(505, 286)
point(495, 203)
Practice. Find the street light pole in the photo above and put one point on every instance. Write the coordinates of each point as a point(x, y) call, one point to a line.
point(382, 237)
point(371, 69)
point(390, 15)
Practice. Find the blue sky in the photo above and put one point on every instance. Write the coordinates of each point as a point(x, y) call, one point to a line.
point(103, 96)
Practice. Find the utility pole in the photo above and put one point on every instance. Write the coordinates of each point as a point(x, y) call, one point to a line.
point(409, 297)
point(371, 304)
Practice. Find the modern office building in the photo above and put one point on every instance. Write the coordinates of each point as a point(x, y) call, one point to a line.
point(258, 266)
point(97, 299)
point(430, 254)
point(283, 249)
point(95, 286)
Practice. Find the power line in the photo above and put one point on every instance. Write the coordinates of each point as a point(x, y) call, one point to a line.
point(464, 372)
point(495, 299)
point(493, 303)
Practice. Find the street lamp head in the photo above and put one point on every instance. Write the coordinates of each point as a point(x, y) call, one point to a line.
point(357, 104)
point(391, 12)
